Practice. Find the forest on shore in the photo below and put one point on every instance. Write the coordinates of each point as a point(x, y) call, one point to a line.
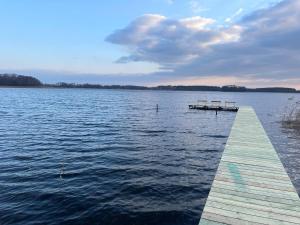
point(14, 80)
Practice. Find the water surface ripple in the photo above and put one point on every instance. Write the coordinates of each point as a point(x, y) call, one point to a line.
point(81, 156)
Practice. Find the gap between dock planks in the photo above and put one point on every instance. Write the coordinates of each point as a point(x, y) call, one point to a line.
point(251, 185)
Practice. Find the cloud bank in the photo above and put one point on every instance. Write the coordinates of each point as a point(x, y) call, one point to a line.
point(168, 42)
point(263, 45)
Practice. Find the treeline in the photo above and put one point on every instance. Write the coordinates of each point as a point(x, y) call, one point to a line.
point(19, 80)
point(29, 81)
point(228, 88)
point(96, 86)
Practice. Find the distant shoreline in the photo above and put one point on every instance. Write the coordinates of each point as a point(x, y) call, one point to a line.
point(20, 81)
point(230, 88)
point(174, 88)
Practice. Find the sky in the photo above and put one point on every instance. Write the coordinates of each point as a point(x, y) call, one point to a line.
point(153, 42)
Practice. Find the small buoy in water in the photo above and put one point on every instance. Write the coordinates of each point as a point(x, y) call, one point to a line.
point(61, 171)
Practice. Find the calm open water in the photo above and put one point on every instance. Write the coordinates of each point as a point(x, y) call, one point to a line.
point(83, 156)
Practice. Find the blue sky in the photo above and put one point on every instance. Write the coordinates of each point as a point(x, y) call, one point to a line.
point(83, 40)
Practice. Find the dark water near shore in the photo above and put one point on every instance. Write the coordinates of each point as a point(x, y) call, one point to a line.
point(80, 156)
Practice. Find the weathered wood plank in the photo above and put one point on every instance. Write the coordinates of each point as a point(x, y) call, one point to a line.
point(210, 222)
point(257, 209)
point(261, 194)
point(229, 220)
point(251, 185)
point(250, 189)
point(254, 168)
point(257, 175)
point(255, 182)
point(262, 202)
point(259, 164)
point(247, 217)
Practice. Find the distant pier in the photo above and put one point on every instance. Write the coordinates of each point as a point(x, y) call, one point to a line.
point(214, 106)
point(251, 185)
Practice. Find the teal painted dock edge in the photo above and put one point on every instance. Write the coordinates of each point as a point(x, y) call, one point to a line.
point(251, 185)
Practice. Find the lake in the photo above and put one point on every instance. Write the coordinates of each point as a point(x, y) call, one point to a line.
point(87, 156)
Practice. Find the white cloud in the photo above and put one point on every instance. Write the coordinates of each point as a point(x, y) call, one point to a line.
point(233, 16)
point(197, 22)
point(264, 44)
point(169, 42)
point(268, 47)
point(196, 7)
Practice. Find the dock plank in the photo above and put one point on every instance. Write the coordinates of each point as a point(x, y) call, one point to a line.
point(251, 185)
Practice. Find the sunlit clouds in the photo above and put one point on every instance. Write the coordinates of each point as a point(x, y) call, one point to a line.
point(262, 46)
point(170, 42)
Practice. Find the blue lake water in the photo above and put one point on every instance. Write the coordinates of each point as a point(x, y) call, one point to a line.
point(84, 156)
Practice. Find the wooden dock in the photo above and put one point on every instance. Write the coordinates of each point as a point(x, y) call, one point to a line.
point(214, 106)
point(251, 185)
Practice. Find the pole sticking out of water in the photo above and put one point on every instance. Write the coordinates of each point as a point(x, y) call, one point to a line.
point(62, 170)
point(156, 107)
